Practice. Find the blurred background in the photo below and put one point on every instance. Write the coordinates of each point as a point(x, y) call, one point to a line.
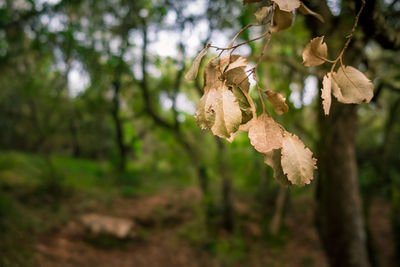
point(102, 163)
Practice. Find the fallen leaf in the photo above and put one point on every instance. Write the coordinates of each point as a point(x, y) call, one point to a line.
point(265, 134)
point(314, 52)
point(351, 86)
point(273, 159)
point(297, 161)
point(287, 5)
point(278, 101)
point(194, 69)
point(281, 20)
point(326, 94)
point(306, 11)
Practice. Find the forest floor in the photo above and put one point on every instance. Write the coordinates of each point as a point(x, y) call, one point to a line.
point(44, 221)
point(158, 237)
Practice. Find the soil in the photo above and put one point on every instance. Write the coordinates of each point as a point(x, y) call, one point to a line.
point(155, 240)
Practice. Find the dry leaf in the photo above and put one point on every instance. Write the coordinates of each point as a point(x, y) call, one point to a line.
point(262, 14)
point(237, 77)
point(351, 86)
point(314, 52)
point(265, 134)
point(287, 5)
point(278, 101)
point(212, 74)
point(192, 73)
point(219, 111)
point(306, 11)
point(281, 20)
point(237, 61)
point(297, 161)
point(326, 93)
point(244, 105)
point(273, 159)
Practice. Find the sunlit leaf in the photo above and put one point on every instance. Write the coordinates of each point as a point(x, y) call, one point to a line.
point(219, 111)
point(265, 134)
point(326, 94)
point(287, 5)
point(297, 161)
point(351, 86)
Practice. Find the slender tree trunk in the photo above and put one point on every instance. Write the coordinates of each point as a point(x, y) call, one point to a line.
point(279, 208)
point(339, 209)
point(118, 124)
point(227, 202)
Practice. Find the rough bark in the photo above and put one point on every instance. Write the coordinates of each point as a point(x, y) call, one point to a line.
point(339, 208)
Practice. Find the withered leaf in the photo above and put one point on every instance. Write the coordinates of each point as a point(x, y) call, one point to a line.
point(314, 52)
point(297, 161)
point(273, 159)
point(306, 11)
point(278, 101)
point(219, 111)
point(212, 74)
point(237, 61)
point(326, 93)
point(287, 5)
point(194, 69)
point(237, 77)
point(262, 14)
point(244, 105)
point(281, 20)
point(351, 86)
point(265, 134)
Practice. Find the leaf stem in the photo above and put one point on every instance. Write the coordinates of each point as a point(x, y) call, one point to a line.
point(349, 37)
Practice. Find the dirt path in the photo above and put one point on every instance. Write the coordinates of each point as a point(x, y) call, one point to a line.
point(157, 242)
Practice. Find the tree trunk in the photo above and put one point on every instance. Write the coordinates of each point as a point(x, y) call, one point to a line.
point(118, 125)
point(227, 203)
point(339, 208)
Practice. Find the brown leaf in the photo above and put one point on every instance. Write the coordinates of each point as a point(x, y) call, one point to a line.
point(236, 61)
point(273, 159)
point(262, 14)
point(219, 111)
point(351, 86)
point(297, 161)
point(314, 51)
point(306, 11)
point(326, 93)
point(212, 74)
point(287, 5)
point(281, 20)
point(244, 105)
point(192, 73)
point(278, 101)
point(237, 77)
point(265, 134)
